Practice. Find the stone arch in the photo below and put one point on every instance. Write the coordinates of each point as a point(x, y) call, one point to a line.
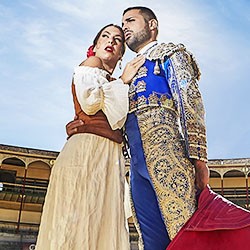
point(233, 172)
point(15, 165)
point(214, 173)
point(39, 170)
point(215, 179)
point(16, 161)
point(234, 178)
point(235, 187)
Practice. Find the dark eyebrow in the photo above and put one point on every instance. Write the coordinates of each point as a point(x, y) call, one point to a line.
point(110, 34)
point(116, 36)
point(127, 19)
point(106, 32)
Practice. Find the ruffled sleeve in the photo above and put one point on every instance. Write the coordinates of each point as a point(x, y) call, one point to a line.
point(94, 92)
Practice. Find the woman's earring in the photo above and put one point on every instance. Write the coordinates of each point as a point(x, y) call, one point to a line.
point(120, 64)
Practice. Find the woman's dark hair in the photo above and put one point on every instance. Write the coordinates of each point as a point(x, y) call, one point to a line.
point(147, 13)
point(109, 25)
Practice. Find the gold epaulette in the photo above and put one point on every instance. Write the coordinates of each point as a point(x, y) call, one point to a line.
point(163, 50)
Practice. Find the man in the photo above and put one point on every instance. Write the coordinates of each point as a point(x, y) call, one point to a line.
point(162, 95)
point(166, 133)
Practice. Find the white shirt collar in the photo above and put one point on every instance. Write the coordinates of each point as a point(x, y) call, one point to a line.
point(147, 48)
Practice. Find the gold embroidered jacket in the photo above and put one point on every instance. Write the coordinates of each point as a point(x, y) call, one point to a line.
point(183, 75)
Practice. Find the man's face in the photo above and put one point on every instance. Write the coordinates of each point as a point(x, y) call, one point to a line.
point(136, 30)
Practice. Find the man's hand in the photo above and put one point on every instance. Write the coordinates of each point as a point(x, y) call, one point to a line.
point(72, 126)
point(201, 174)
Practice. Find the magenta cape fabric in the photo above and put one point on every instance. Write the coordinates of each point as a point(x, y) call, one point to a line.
point(217, 224)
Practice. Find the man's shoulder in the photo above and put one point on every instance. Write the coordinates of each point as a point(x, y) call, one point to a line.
point(177, 53)
point(163, 50)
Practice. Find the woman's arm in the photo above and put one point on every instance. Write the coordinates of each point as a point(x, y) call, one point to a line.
point(94, 92)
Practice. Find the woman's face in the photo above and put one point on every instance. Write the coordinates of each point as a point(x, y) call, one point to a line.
point(110, 44)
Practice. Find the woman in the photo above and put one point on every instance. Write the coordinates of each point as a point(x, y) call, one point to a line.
point(84, 206)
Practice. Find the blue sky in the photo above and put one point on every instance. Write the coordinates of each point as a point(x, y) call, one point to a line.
point(42, 41)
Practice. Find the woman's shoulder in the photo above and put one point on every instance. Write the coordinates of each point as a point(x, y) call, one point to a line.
point(92, 65)
point(92, 61)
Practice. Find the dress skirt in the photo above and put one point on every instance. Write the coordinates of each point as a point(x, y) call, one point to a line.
point(84, 205)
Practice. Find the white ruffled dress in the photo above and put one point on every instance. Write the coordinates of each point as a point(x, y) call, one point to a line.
point(84, 205)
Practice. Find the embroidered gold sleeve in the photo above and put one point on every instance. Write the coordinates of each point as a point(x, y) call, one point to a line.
point(194, 112)
point(186, 95)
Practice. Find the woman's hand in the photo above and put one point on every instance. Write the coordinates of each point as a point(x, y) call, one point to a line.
point(131, 69)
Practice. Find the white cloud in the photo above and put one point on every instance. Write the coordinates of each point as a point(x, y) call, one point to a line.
point(42, 41)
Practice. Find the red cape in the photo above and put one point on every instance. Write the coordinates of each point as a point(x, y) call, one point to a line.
point(217, 224)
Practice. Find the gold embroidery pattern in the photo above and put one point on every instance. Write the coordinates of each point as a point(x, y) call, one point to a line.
point(132, 89)
point(168, 50)
point(141, 86)
point(142, 72)
point(186, 74)
point(186, 71)
point(136, 223)
point(170, 170)
point(152, 101)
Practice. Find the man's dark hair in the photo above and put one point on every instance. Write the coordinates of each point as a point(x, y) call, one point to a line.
point(147, 13)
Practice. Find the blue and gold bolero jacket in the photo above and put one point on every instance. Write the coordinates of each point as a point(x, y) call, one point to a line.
point(179, 69)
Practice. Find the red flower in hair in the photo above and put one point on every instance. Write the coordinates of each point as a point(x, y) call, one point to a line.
point(90, 51)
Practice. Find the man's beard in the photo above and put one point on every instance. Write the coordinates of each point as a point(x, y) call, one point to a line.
point(139, 38)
